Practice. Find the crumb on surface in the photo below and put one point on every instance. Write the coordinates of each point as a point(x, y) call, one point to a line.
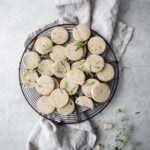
point(98, 147)
point(107, 126)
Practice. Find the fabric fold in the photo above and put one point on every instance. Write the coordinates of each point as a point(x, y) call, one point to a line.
point(75, 8)
point(49, 136)
point(121, 37)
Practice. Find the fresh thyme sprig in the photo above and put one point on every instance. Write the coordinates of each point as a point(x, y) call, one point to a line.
point(122, 137)
point(80, 44)
point(88, 73)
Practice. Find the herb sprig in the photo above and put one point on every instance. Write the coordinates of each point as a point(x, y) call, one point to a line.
point(122, 137)
point(88, 73)
point(80, 44)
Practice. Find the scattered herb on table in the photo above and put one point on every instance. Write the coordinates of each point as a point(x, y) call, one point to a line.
point(137, 112)
point(119, 110)
point(122, 137)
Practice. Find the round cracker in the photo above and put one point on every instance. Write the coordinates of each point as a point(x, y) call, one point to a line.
point(58, 53)
point(85, 102)
point(31, 60)
point(79, 64)
point(60, 68)
point(59, 98)
point(43, 45)
point(43, 105)
point(81, 32)
point(96, 63)
point(45, 67)
point(88, 85)
point(59, 35)
point(76, 76)
point(107, 74)
point(29, 78)
point(100, 92)
point(67, 109)
point(69, 86)
point(45, 85)
point(73, 53)
point(96, 45)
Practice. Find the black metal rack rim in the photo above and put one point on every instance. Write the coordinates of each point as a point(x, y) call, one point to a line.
point(106, 103)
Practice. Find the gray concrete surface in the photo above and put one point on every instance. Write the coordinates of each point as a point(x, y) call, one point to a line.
point(18, 18)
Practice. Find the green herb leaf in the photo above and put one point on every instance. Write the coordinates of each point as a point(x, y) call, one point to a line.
point(137, 112)
point(119, 110)
point(87, 73)
point(122, 137)
point(80, 44)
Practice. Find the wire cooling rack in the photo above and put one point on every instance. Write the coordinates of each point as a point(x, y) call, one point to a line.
point(81, 113)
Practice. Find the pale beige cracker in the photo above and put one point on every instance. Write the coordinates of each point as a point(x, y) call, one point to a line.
point(81, 32)
point(79, 64)
point(29, 78)
point(58, 53)
point(45, 85)
point(96, 63)
point(85, 102)
point(67, 109)
point(59, 98)
point(59, 35)
point(60, 68)
point(107, 74)
point(96, 45)
point(100, 92)
point(43, 45)
point(45, 67)
point(43, 105)
point(88, 85)
point(73, 52)
point(76, 76)
point(31, 60)
point(69, 86)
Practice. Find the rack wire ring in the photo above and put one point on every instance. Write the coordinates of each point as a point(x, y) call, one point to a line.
point(81, 113)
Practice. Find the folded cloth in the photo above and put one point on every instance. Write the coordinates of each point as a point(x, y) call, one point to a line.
point(101, 15)
point(49, 136)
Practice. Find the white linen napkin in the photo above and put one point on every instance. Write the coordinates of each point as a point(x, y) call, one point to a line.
point(101, 15)
point(49, 136)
